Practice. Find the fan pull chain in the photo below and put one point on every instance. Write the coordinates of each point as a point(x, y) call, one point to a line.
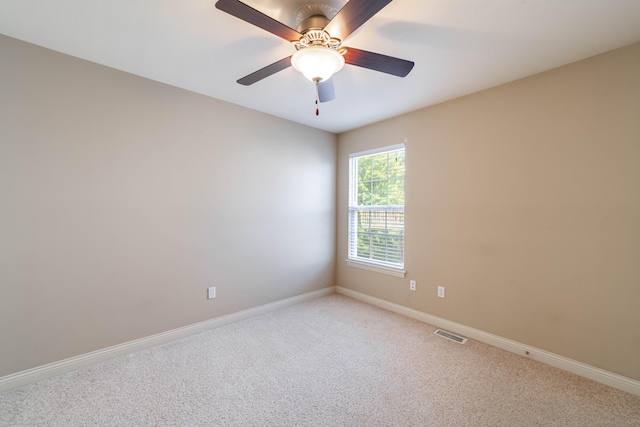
point(317, 97)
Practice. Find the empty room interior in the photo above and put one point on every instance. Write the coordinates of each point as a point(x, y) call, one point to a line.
point(147, 197)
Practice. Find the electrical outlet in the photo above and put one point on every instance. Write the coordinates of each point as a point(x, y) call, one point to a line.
point(211, 292)
point(412, 285)
point(441, 291)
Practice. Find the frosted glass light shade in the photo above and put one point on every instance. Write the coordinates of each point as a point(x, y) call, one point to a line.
point(317, 63)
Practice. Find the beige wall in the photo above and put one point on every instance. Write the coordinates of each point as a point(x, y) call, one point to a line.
point(524, 202)
point(123, 199)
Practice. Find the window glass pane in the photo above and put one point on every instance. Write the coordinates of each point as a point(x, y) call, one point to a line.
point(364, 169)
point(364, 193)
point(379, 192)
point(396, 192)
point(396, 164)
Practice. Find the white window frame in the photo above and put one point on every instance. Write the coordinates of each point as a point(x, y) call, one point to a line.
point(352, 260)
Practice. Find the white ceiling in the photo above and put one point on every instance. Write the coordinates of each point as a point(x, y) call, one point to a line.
point(458, 46)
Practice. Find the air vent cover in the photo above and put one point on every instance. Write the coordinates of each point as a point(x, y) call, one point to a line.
point(450, 336)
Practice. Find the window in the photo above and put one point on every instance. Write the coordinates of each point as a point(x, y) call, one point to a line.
point(376, 210)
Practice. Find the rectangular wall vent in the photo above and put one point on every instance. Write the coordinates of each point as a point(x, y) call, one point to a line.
point(450, 336)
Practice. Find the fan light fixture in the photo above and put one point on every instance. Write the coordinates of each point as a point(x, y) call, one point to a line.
point(317, 63)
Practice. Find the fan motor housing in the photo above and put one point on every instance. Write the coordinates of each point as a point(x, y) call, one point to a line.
point(315, 22)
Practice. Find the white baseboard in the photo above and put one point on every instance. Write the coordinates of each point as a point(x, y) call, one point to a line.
point(596, 374)
point(58, 368)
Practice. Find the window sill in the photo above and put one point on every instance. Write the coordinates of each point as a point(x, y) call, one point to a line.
point(397, 272)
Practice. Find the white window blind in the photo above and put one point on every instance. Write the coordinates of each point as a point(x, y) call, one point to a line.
point(376, 207)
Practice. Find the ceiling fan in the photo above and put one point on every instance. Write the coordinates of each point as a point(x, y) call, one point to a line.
point(318, 42)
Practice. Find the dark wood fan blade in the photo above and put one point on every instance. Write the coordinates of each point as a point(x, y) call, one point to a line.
point(266, 71)
point(257, 18)
point(326, 91)
point(353, 15)
point(378, 62)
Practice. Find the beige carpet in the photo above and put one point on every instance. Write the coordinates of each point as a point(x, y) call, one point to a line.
point(333, 361)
